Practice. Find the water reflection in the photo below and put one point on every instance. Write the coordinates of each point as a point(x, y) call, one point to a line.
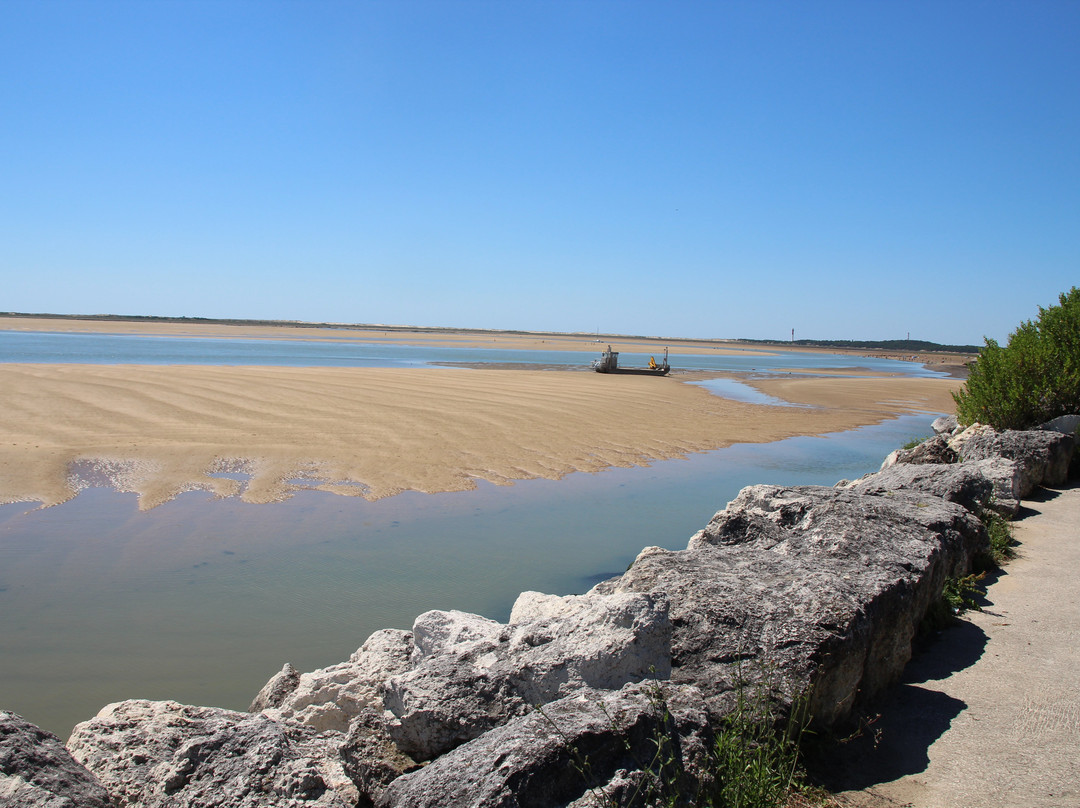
point(48, 347)
point(201, 600)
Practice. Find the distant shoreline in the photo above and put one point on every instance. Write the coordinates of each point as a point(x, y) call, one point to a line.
point(946, 358)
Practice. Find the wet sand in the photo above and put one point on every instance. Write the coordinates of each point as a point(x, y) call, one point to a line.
point(374, 432)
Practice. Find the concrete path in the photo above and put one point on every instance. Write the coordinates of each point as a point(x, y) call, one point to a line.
point(988, 716)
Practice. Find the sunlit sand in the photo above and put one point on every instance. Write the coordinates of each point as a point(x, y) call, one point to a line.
point(374, 432)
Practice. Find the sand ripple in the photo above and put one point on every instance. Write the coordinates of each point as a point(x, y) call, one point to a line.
point(374, 432)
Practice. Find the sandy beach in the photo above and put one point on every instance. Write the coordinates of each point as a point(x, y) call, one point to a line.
point(373, 432)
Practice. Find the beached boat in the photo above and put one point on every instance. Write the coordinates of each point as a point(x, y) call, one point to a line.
point(609, 363)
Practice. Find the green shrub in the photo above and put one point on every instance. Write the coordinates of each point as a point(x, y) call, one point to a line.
point(1034, 378)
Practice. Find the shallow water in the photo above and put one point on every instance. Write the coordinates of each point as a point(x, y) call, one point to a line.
point(50, 347)
point(202, 600)
point(738, 391)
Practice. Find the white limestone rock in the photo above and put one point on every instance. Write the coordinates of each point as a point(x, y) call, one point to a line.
point(536, 759)
point(1044, 456)
point(992, 483)
point(438, 632)
point(552, 647)
point(946, 425)
point(161, 754)
point(275, 691)
point(1065, 424)
point(330, 698)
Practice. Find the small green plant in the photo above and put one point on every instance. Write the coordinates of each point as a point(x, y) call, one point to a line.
point(911, 444)
point(753, 761)
point(959, 594)
point(1001, 538)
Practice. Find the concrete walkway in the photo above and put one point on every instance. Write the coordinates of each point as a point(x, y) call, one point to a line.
point(988, 716)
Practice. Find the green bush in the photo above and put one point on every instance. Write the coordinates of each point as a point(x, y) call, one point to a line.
point(1034, 378)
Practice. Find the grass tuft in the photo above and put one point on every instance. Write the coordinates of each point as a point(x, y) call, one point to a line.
point(753, 762)
point(911, 444)
point(1001, 537)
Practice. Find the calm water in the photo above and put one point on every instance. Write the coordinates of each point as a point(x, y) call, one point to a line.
point(202, 600)
point(18, 346)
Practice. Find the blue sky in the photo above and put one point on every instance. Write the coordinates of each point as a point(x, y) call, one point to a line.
point(850, 170)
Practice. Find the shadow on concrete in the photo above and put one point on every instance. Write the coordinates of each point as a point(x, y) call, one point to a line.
point(895, 742)
point(890, 746)
point(953, 649)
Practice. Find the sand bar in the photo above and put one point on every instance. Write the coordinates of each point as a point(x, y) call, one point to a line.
point(374, 334)
point(374, 432)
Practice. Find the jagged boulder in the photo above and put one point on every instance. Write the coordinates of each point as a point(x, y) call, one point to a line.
point(1043, 455)
point(1065, 424)
point(597, 740)
point(946, 425)
point(437, 632)
point(371, 757)
point(934, 450)
point(471, 675)
point(275, 691)
point(992, 483)
point(820, 587)
point(160, 754)
point(329, 698)
point(36, 771)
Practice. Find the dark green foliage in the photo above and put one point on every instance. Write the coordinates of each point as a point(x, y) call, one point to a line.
point(1034, 378)
point(1001, 538)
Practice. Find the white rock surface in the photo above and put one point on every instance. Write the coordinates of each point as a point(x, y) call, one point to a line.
point(330, 698)
point(552, 647)
point(160, 754)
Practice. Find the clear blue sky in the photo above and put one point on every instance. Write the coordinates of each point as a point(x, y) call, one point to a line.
point(706, 169)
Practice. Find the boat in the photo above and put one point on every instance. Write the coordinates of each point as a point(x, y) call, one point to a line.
point(609, 363)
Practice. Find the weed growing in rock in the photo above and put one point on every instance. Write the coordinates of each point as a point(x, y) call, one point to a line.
point(753, 761)
point(959, 594)
point(753, 764)
point(1001, 538)
point(911, 444)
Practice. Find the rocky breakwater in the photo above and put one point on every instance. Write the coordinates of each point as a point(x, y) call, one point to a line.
point(817, 591)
